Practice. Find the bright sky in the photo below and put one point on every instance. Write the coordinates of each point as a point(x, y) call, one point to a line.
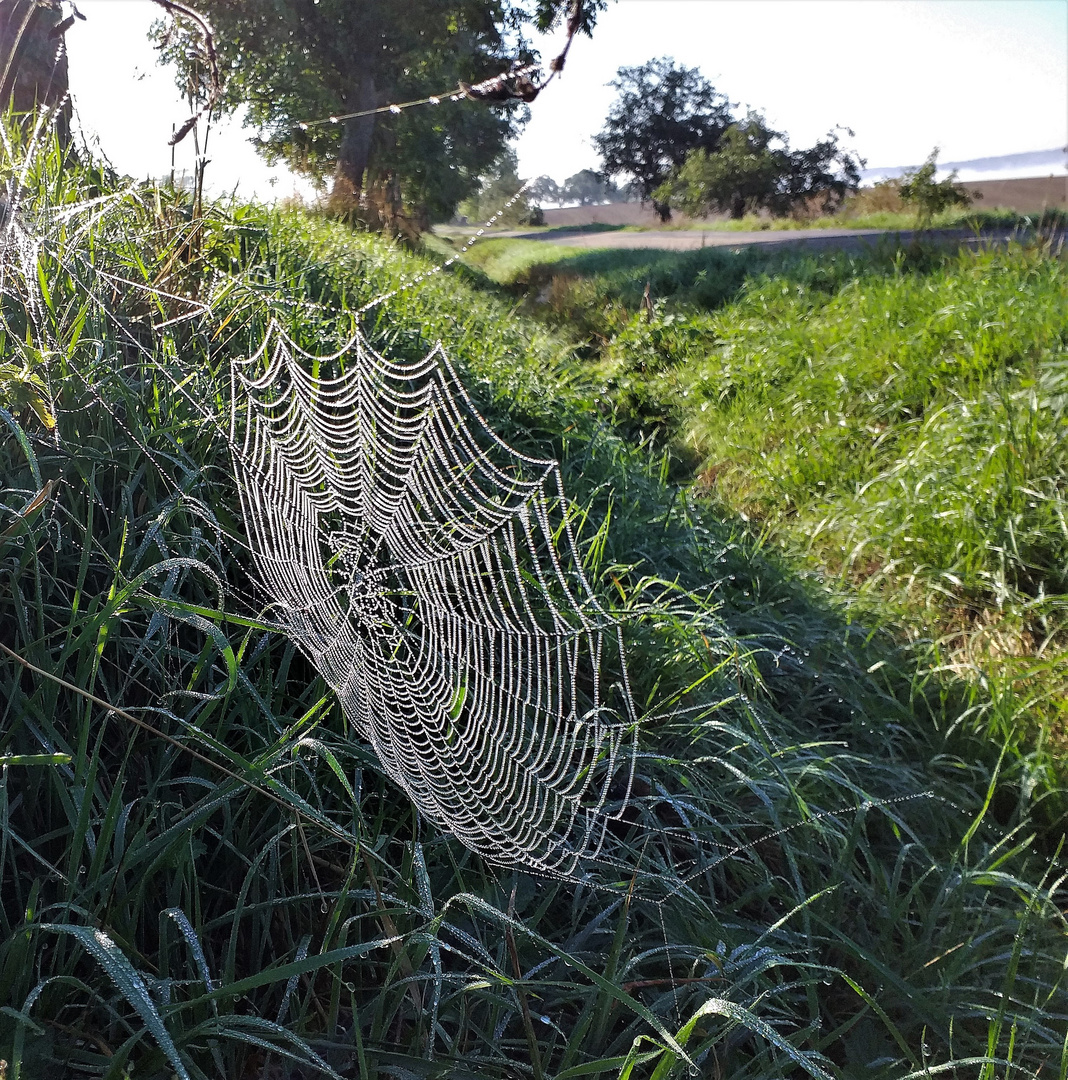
point(128, 102)
point(977, 78)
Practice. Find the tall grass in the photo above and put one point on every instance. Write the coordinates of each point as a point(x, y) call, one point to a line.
point(904, 431)
point(205, 874)
point(894, 418)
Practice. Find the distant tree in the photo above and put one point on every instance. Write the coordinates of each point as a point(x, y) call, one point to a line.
point(545, 190)
point(291, 60)
point(820, 177)
point(741, 175)
point(749, 172)
point(662, 113)
point(919, 188)
point(586, 188)
point(624, 193)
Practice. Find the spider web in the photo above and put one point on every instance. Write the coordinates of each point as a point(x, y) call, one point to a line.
point(430, 573)
point(427, 570)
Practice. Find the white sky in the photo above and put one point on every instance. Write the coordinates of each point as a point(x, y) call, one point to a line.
point(977, 78)
point(128, 102)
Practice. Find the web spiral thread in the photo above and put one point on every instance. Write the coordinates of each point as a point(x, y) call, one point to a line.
point(430, 574)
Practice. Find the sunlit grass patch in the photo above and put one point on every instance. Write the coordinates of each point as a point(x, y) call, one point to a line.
point(861, 217)
point(896, 420)
point(914, 419)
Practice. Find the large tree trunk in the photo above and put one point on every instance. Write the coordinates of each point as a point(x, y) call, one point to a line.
point(33, 69)
point(355, 150)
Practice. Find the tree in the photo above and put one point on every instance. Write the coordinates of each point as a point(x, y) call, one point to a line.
point(289, 61)
point(545, 190)
point(930, 196)
point(741, 175)
point(586, 188)
point(498, 187)
point(663, 111)
point(820, 177)
point(748, 172)
point(628, 192)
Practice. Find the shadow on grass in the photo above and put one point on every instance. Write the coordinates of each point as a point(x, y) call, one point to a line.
point(708, 278)
point(572, 230)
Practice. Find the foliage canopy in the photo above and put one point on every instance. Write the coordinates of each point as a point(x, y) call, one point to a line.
point(748, 172)
point(742, 173)
point(586, 187)
point(663, 111)
point(497, 189)
point(294, 60)
point(677, 137)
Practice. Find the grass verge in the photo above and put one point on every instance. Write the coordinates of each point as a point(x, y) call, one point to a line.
point(868, 888)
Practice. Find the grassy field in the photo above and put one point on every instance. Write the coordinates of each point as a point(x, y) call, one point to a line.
point(902, 220)
point(235, 890)
point(895, 421)
point(449, 237)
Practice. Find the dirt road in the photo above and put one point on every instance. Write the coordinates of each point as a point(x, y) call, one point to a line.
point(690, 240)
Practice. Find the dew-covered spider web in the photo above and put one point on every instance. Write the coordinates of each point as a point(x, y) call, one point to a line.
point(428, 571)
point(430, 574)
